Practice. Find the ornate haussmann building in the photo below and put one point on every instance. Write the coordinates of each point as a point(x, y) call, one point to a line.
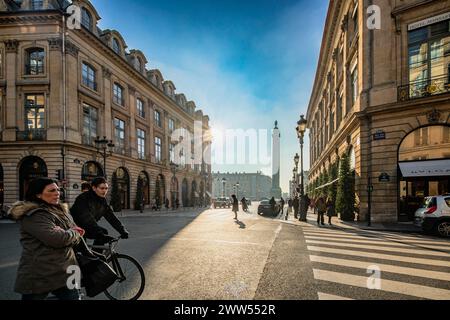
point(383, 96)
point(61, 88)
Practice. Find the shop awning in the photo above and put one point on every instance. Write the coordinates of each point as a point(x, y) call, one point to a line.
point(431, 168)
point(327, 184)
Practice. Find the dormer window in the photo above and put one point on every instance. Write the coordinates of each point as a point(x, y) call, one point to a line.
point(138, 64)
point(86, 19)
point(116, 46)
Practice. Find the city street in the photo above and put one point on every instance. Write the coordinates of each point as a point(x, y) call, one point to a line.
point(209, 255)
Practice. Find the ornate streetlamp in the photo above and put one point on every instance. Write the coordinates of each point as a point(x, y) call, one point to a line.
point(102, 145)
point(301, 128)
point(224, 181)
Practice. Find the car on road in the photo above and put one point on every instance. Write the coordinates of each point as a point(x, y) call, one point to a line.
point(265, 208)
point(222, 203)
point(434, 215)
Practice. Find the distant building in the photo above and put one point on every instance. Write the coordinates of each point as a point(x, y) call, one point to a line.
point(253, 186)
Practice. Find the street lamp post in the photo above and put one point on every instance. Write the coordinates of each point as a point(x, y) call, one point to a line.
point(224, 181)
point(102, 145)
point(301, 128)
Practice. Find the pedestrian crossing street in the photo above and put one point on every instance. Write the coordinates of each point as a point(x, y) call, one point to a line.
point(346, 264)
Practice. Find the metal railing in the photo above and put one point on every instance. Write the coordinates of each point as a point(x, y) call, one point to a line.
point(424, 88)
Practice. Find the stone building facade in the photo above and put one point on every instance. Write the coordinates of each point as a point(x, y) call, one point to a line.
point(253, 186)
point(61, 88)
point(382, 95)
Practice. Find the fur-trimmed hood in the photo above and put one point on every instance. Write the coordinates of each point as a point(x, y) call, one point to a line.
point(22, 208)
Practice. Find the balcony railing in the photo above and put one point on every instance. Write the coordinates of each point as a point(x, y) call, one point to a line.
point(32, 135)
point(424, 88)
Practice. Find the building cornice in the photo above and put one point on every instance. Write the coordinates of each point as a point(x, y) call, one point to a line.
point(55, 16)
point(138, 76)
point(409, 6)
point(331, 23)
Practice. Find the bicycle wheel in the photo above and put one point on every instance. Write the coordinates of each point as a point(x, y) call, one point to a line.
point(132, 285)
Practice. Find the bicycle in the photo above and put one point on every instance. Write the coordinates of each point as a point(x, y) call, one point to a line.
point(131, 278)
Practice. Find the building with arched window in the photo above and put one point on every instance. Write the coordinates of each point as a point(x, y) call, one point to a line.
point(381, 94)
point(101, 122)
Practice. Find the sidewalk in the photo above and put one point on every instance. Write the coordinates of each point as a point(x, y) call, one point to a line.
point(406, 227)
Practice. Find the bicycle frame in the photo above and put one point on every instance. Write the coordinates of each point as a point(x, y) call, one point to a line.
point(111, 254)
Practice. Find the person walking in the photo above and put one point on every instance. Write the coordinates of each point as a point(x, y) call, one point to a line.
point(321, 209)
point(296, 205)
point(289, 208)
point(235, 208)
point(244, 204)
point(272, 203)
point(330, 210)
point(48, 235)
point(282, 203)
point(90, 207)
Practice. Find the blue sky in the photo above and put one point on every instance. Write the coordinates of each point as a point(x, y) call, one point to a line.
point(245, 63)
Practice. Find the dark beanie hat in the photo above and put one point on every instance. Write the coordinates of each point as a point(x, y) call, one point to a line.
point(36, 187)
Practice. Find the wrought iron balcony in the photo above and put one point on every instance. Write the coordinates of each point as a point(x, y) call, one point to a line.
point(32, 135)
point(424, 88)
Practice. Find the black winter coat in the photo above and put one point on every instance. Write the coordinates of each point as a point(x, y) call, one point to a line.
point(88, 209)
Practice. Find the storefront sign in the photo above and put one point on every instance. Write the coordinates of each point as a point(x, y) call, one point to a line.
point(384, 177)
point(427, 22)
point(432, 168)
point(379, 135)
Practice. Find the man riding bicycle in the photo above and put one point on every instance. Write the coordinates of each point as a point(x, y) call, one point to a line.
point(90, 207)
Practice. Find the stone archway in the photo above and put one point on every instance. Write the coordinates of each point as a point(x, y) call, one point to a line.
point(30, 168)
point(145, 186)
point(423, 167)
point(174, 199)
point(160, 191)
point(123, 185)
point(2, 191)
point(184, 193)
point(91, 170)
point(194, 194)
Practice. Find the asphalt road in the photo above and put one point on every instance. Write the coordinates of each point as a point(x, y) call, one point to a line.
point(209, 255)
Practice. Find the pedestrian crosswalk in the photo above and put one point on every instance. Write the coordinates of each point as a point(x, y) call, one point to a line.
point(347, 263)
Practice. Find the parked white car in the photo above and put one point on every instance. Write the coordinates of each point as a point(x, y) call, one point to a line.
point(434, 216)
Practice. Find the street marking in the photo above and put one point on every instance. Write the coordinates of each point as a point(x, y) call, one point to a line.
point(380, 256)
point(361, 233)
point(383, 248)
point(387, 285)
point(384, 267)
point(9, 265)
point(326, 296)
point(342, 234)
point(378, 241)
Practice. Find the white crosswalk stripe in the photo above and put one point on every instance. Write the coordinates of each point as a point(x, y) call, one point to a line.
point(410, 267)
